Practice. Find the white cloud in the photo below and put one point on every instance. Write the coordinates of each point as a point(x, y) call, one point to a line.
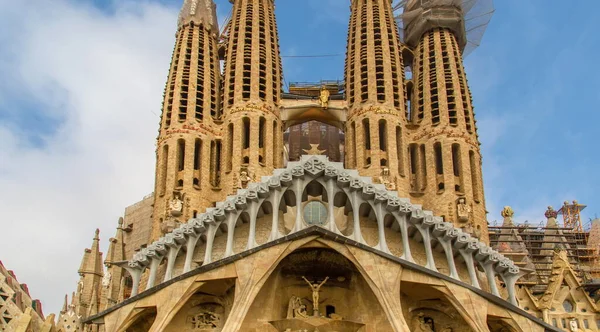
point(98, 76)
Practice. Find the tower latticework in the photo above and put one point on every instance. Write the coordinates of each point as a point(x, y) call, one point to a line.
point(188, 161)
point(375, 130)
point(444, 152)
point(252, 86)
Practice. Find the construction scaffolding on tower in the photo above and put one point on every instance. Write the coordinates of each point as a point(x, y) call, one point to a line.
point(475, 16)
point(539, 244)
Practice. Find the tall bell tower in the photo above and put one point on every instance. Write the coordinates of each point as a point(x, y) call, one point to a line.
point(187, 168)
point(444, 150)
point(252, 129)
point(374, 72)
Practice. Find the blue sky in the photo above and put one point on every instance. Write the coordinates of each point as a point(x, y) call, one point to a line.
point(81, 89)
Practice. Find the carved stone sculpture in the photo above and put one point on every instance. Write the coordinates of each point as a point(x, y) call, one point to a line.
point(324, 97)
point(176, 205)
point(296, 309)
point(315, 294)
point(551, 213)
point(387, 180)
point(573, 325)
point(423, 324)
point(463, 210)
point(206, 320)
point(507, 212)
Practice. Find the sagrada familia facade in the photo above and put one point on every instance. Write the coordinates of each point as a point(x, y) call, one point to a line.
point(340, 206)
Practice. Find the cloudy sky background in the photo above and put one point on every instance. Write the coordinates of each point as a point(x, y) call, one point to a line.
point(80, 93)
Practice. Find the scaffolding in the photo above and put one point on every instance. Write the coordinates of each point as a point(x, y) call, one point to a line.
point(571, 213)
point(470, 24)
point(313, 89)
point(539, 244)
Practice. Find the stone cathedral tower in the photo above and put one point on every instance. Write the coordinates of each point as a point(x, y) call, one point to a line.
point(376, 135)
point(445, 158)
point(242, 239)
point(188, 147)
point(251, 94)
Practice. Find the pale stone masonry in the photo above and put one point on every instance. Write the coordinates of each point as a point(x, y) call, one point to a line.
point(389, 234)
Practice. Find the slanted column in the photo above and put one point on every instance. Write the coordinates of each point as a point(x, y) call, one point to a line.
point(253, 211)
point(510, 277)
point(380, 199)
point(400, 210)
point(298, 186)
point(275, 200)
point(174, 241)
point(466, 247)
point(156, 253)
point(135, 270)
point(487, 258)
point(193, 231)
point(332, 190)
point(423, 222)
point(210, 239)
point(445, 233)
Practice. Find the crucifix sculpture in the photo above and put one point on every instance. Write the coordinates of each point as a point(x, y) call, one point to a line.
point(315, 294)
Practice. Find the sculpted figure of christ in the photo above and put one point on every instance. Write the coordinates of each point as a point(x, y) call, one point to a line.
point(315, 293)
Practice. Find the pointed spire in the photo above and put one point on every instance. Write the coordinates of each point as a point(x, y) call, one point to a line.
point(116, 248)
point(92, 258)
point(200, 12)
point(65, 307)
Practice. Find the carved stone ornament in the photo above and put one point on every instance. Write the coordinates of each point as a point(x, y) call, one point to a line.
point(551, 213)
point(296, 309)
point(463, 210)
point(176, 205)
point(507, 212)
point(206, 321)
point(386, 179)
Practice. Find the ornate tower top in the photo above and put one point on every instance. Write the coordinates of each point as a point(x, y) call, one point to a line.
point(200, 12)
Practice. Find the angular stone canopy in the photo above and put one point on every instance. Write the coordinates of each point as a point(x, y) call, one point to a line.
point(411, 221)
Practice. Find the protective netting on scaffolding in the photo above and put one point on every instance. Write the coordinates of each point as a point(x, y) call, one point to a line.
point(476, 16)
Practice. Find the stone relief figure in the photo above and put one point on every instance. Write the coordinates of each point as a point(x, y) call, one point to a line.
point(387, 180)
point(463, 210)
point(315, 293)
point(206, 320)
point(573, 325)
point(423, 324)
point(296, 309)
point(324, 97)
point(176, 205)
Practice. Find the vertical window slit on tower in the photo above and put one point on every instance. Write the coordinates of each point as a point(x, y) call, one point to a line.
point(367, 141)
point(462, 80)
point(275, 138)
point(229, 152)
point(413, 159)
point(180, 155)
point(382, 135)
point(197, 162)
point(474, 177)
point(423, 168)
point(215, 163)
point(433, 84)
point(448, 78)
point(246, 133)
point(439, 166)
point(164, 170)
point(394, 56)
point(364, 54)
point(185, 77)
point(352, 135)
point(457, 168)
point(262, 59)
point(261, 140)
point(247, 69)
point(420, 73)
point(170, 88)
point(400, 151)
point(379, 68)
point(200, 75)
